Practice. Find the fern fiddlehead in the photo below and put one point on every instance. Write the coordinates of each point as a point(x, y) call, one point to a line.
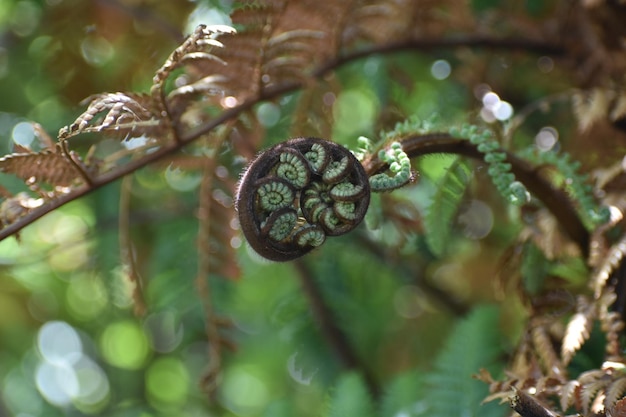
point(297, 193)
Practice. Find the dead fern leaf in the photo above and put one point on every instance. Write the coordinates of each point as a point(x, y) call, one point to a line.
point(17, 206)
point(198, 46)
point(545, 233)
point(591, 106)
point(371, 20)
point(578, 329)
point(590, 376)
point(618, 112)
point(613, 325)
point(123, 114)
point(545, 350)
point(618, 409)
point(610, 263)
point(210, 85)
point(289, 54)
point(241, 77)
point(35, 169)
point(569, 395)
point(591, 391)
point(615, 392)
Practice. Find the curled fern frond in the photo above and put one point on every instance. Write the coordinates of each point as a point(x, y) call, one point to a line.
point(297, 193)
point(399, 165)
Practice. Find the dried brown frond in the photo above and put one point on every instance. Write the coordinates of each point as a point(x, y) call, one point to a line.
point(596, 390)
point(615, 392)
point(371, 21)
point(216, 259)
point(209, 85)
point(592, 385)
point(612, 324)
point(49, 167)
point(197, 46)
point(545, 233)
point(240, 78)
point(578, 329)
point(592, 106)
point(278, 43)
point(544, 348)
point(607, 266)
point(618, 110)
point(14, 207)
point(329, 17)
point(124, 115)
point(237, 63)
point(289, 56)
point(618, 409)
point(570, 393)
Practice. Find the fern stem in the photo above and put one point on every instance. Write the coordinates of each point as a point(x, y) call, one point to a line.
point(527, 406)
point(424, 44)
point(71, 158)
point(214, 351)
point(333, 334)
point(127, 250)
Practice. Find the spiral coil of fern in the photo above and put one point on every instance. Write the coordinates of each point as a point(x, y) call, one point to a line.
point(296, 193)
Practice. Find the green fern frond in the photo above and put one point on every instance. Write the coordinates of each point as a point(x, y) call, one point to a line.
point(413, 125)
point(534, 268)
point(499, 170)
point(576, 184)
point(404, 396)
point(445, 204)
point(350, 398)
point(474, 344)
